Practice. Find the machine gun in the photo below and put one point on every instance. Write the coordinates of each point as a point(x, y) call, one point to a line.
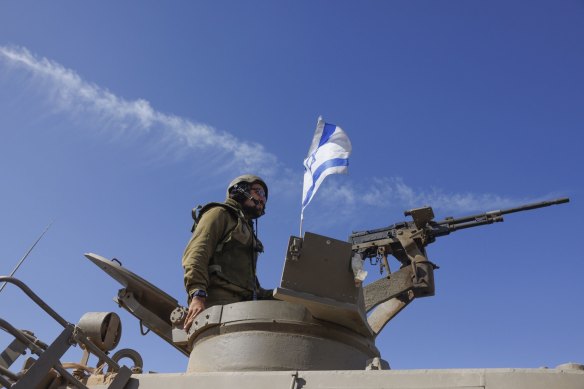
point(407, 242)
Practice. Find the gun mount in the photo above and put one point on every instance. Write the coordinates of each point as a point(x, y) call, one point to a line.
point(407, 242)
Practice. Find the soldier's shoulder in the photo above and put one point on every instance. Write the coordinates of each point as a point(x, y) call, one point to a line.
point(218, 210)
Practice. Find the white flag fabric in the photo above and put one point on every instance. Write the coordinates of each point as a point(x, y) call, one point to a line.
point(328, 154)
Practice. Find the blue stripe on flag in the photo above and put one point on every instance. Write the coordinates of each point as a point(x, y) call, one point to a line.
point(326, 133)
point(336, 162)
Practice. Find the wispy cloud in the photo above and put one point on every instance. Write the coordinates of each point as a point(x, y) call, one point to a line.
point(393, 192)
point(70, 93)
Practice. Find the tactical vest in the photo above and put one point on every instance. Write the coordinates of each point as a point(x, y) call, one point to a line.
point(235, 257)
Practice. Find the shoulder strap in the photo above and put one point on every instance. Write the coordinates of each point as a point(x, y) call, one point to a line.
point(199, 210)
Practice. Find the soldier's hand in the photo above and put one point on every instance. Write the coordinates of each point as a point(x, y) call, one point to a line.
point(196, 306)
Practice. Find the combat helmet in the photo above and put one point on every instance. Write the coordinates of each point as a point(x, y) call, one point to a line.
point(250, 179)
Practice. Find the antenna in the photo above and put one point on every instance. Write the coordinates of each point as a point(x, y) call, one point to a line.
point(26, 255)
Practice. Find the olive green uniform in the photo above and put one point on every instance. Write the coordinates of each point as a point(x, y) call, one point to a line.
point(222, 254)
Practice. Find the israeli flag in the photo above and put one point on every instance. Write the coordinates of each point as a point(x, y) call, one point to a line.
point(328, 154)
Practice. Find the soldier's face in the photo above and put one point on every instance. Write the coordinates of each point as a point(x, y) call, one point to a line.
point(256, 208)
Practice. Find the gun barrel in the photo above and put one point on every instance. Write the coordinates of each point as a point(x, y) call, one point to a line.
point(541, 204)
point(491, 214)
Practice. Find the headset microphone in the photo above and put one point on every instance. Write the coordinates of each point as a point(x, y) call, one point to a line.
point(240, 189)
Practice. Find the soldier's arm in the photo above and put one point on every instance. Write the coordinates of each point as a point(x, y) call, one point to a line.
point(201, 247)
point(198, 252)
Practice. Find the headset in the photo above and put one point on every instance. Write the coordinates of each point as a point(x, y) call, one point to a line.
point(241, 191)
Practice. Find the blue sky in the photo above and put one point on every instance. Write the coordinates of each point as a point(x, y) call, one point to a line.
point(117, 118)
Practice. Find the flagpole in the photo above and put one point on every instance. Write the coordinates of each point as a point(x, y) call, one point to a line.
point(302, 211)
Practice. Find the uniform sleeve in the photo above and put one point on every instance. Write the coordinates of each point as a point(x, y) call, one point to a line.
point(201, 247)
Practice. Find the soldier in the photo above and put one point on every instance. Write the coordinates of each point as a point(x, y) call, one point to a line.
point(220, 259)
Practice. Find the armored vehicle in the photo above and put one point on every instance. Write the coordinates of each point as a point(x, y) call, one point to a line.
point(319, 332)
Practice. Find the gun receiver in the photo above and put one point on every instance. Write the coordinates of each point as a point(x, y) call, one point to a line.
point(407, 242)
